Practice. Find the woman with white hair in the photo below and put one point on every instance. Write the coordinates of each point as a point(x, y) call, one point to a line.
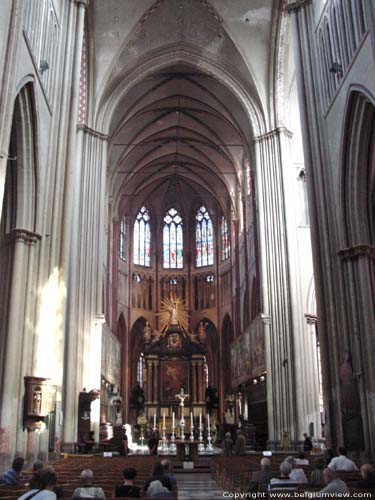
point(157, 490)
point(88, 490)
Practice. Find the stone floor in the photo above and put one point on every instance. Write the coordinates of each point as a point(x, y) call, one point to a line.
point(196, 486)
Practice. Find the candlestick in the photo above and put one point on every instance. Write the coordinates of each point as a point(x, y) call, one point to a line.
point(209, 447)
point(164, 446)
point(154, 422)
point(200, 445)
point(191, 427)
point(172, 448)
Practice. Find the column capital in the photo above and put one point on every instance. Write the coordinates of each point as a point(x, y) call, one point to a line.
point(273, 133)
point(83, 3)
point(357, 251)
point(295, 5)
point(21, 235)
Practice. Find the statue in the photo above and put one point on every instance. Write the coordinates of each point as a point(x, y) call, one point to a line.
point(193, 337)
point(201, 333)
point(173, 313)
point(157, 336)
point(147, 333)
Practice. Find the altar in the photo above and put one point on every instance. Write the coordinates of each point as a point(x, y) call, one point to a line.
point(174, 358)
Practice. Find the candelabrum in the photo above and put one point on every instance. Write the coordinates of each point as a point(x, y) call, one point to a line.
point(182, 428)
point(209, 446)
point(192, 433)
point(164, 445)
point(172, 447)
point(200, 445)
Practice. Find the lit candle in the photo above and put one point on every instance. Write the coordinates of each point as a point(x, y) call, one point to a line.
point(173, 419)
point(154, 420)
point(191, 420)
point(163, 420)
point(200, 420)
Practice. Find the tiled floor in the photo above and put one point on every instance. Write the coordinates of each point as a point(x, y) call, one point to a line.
point(198, 487)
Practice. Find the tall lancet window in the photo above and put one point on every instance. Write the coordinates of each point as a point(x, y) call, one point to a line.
point(204, 238)
point(225, 239)
point(122, 240)
point(173, 243)
point(142, 239)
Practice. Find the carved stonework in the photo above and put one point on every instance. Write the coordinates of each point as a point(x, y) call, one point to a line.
point(357, 251)
point(311, 319)
point(22, 236)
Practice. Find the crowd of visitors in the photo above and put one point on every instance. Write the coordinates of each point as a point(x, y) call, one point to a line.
point(162, 483)
point(325, 474)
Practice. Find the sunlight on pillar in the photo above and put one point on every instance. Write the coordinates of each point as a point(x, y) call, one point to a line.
point(50, 349)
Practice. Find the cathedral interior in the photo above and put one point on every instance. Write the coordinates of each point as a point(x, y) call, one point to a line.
point(187, 194)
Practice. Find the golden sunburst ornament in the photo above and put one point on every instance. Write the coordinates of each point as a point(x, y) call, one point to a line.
point(173, 313)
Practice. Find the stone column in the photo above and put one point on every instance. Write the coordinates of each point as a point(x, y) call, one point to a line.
point(200, 381)
point(316, 161)
point(194, 381)
point(156, 381)
point(19, 348)
point(270, 151)
point(68, 256)
point(149, 398)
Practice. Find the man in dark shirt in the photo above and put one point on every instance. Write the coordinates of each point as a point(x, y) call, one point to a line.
point(13, 476)
point(153, 443)
point(127, 488)
point(307, 444)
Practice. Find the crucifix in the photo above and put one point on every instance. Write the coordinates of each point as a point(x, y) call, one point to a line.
point(182, 396)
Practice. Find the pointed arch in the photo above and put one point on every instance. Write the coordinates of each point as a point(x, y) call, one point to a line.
point(173, 240)
point(142, 238)
point(358, 189)
point(204, 238)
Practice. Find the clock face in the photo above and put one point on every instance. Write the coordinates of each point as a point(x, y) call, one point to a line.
point(174, 341)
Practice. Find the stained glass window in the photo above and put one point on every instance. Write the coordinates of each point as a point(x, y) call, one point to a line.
point(204, 238)
point(121, 243)
point(225, 240)
point(142, 239)
point(173, 240)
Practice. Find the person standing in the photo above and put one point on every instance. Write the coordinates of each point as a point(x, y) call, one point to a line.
point(227, 445)
point(240, 445)
point(307, 444)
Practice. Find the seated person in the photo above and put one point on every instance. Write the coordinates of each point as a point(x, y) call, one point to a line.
point(260, 479)
point(157, 490)
point(316, 478)
point(153, 443)
point(89, 441)
point(88, 490)
point(283, 482)
point(158, 475)
point(342, 462)
point(298, 475)
point(35, 481)
point(168, 472)
point(13, 476)
point(42, 485)
point(368, 477)
point(334, 484)
point(301, 459)
point(127, 488)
